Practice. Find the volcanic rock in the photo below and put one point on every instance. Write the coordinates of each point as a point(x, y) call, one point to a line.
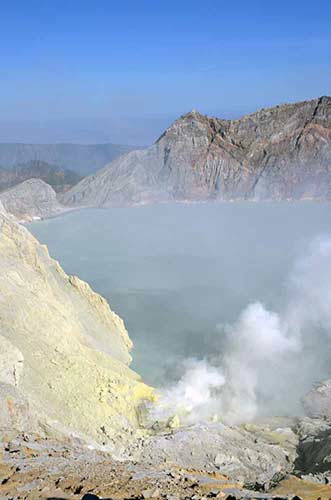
point(64, 354)
point(30, 200)
point(281, 153)
point(317, 403)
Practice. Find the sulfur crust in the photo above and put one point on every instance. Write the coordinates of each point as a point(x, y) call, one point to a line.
point(75, 348)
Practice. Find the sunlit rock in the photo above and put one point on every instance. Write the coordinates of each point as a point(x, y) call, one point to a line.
point(61, 346)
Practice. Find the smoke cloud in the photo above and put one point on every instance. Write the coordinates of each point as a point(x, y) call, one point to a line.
point(269, 359)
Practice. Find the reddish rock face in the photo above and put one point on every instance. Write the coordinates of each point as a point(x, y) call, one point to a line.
point(279, 153)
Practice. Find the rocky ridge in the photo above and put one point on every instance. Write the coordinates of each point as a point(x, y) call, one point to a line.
point(281, 153)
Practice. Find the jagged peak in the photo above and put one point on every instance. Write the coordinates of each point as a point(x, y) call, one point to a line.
point(326, 98)
point(286, 105)
point(190, 115)
point(196, 115)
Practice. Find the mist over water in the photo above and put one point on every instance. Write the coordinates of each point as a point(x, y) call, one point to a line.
point(228, 305)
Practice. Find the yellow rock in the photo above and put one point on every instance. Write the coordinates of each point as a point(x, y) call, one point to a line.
point(173, 422)
point(70, 348)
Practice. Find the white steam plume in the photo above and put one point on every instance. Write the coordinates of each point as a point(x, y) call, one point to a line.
point(269, 359)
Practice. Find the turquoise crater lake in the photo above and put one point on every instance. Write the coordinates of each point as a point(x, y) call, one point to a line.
point(175, 273)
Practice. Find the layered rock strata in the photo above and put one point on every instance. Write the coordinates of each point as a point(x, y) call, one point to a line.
point(281, 153)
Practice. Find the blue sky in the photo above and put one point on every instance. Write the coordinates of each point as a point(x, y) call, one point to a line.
point(103, 70)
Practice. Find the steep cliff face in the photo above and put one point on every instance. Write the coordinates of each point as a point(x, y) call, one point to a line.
point(277, 153)
point(31, 199)
point(63, 352)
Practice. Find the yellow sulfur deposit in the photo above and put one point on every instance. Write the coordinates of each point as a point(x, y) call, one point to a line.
point(67, 352)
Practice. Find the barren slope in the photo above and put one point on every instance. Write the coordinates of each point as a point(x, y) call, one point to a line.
point(279, 153)
point(64, 354)
point(31, 199)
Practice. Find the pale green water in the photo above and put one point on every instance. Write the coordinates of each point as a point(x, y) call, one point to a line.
point(174, 272)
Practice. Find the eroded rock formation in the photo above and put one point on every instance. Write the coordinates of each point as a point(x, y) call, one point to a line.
point(281, 153)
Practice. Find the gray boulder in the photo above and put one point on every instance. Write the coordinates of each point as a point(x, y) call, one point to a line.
point(314, 450)
point(317, 403)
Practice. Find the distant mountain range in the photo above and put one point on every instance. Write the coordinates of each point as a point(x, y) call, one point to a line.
point(59, 178)
point(79, 158)
point(281, 153)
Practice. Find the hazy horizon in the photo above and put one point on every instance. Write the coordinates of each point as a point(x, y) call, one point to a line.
point(140, 131)
point(121, 72)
